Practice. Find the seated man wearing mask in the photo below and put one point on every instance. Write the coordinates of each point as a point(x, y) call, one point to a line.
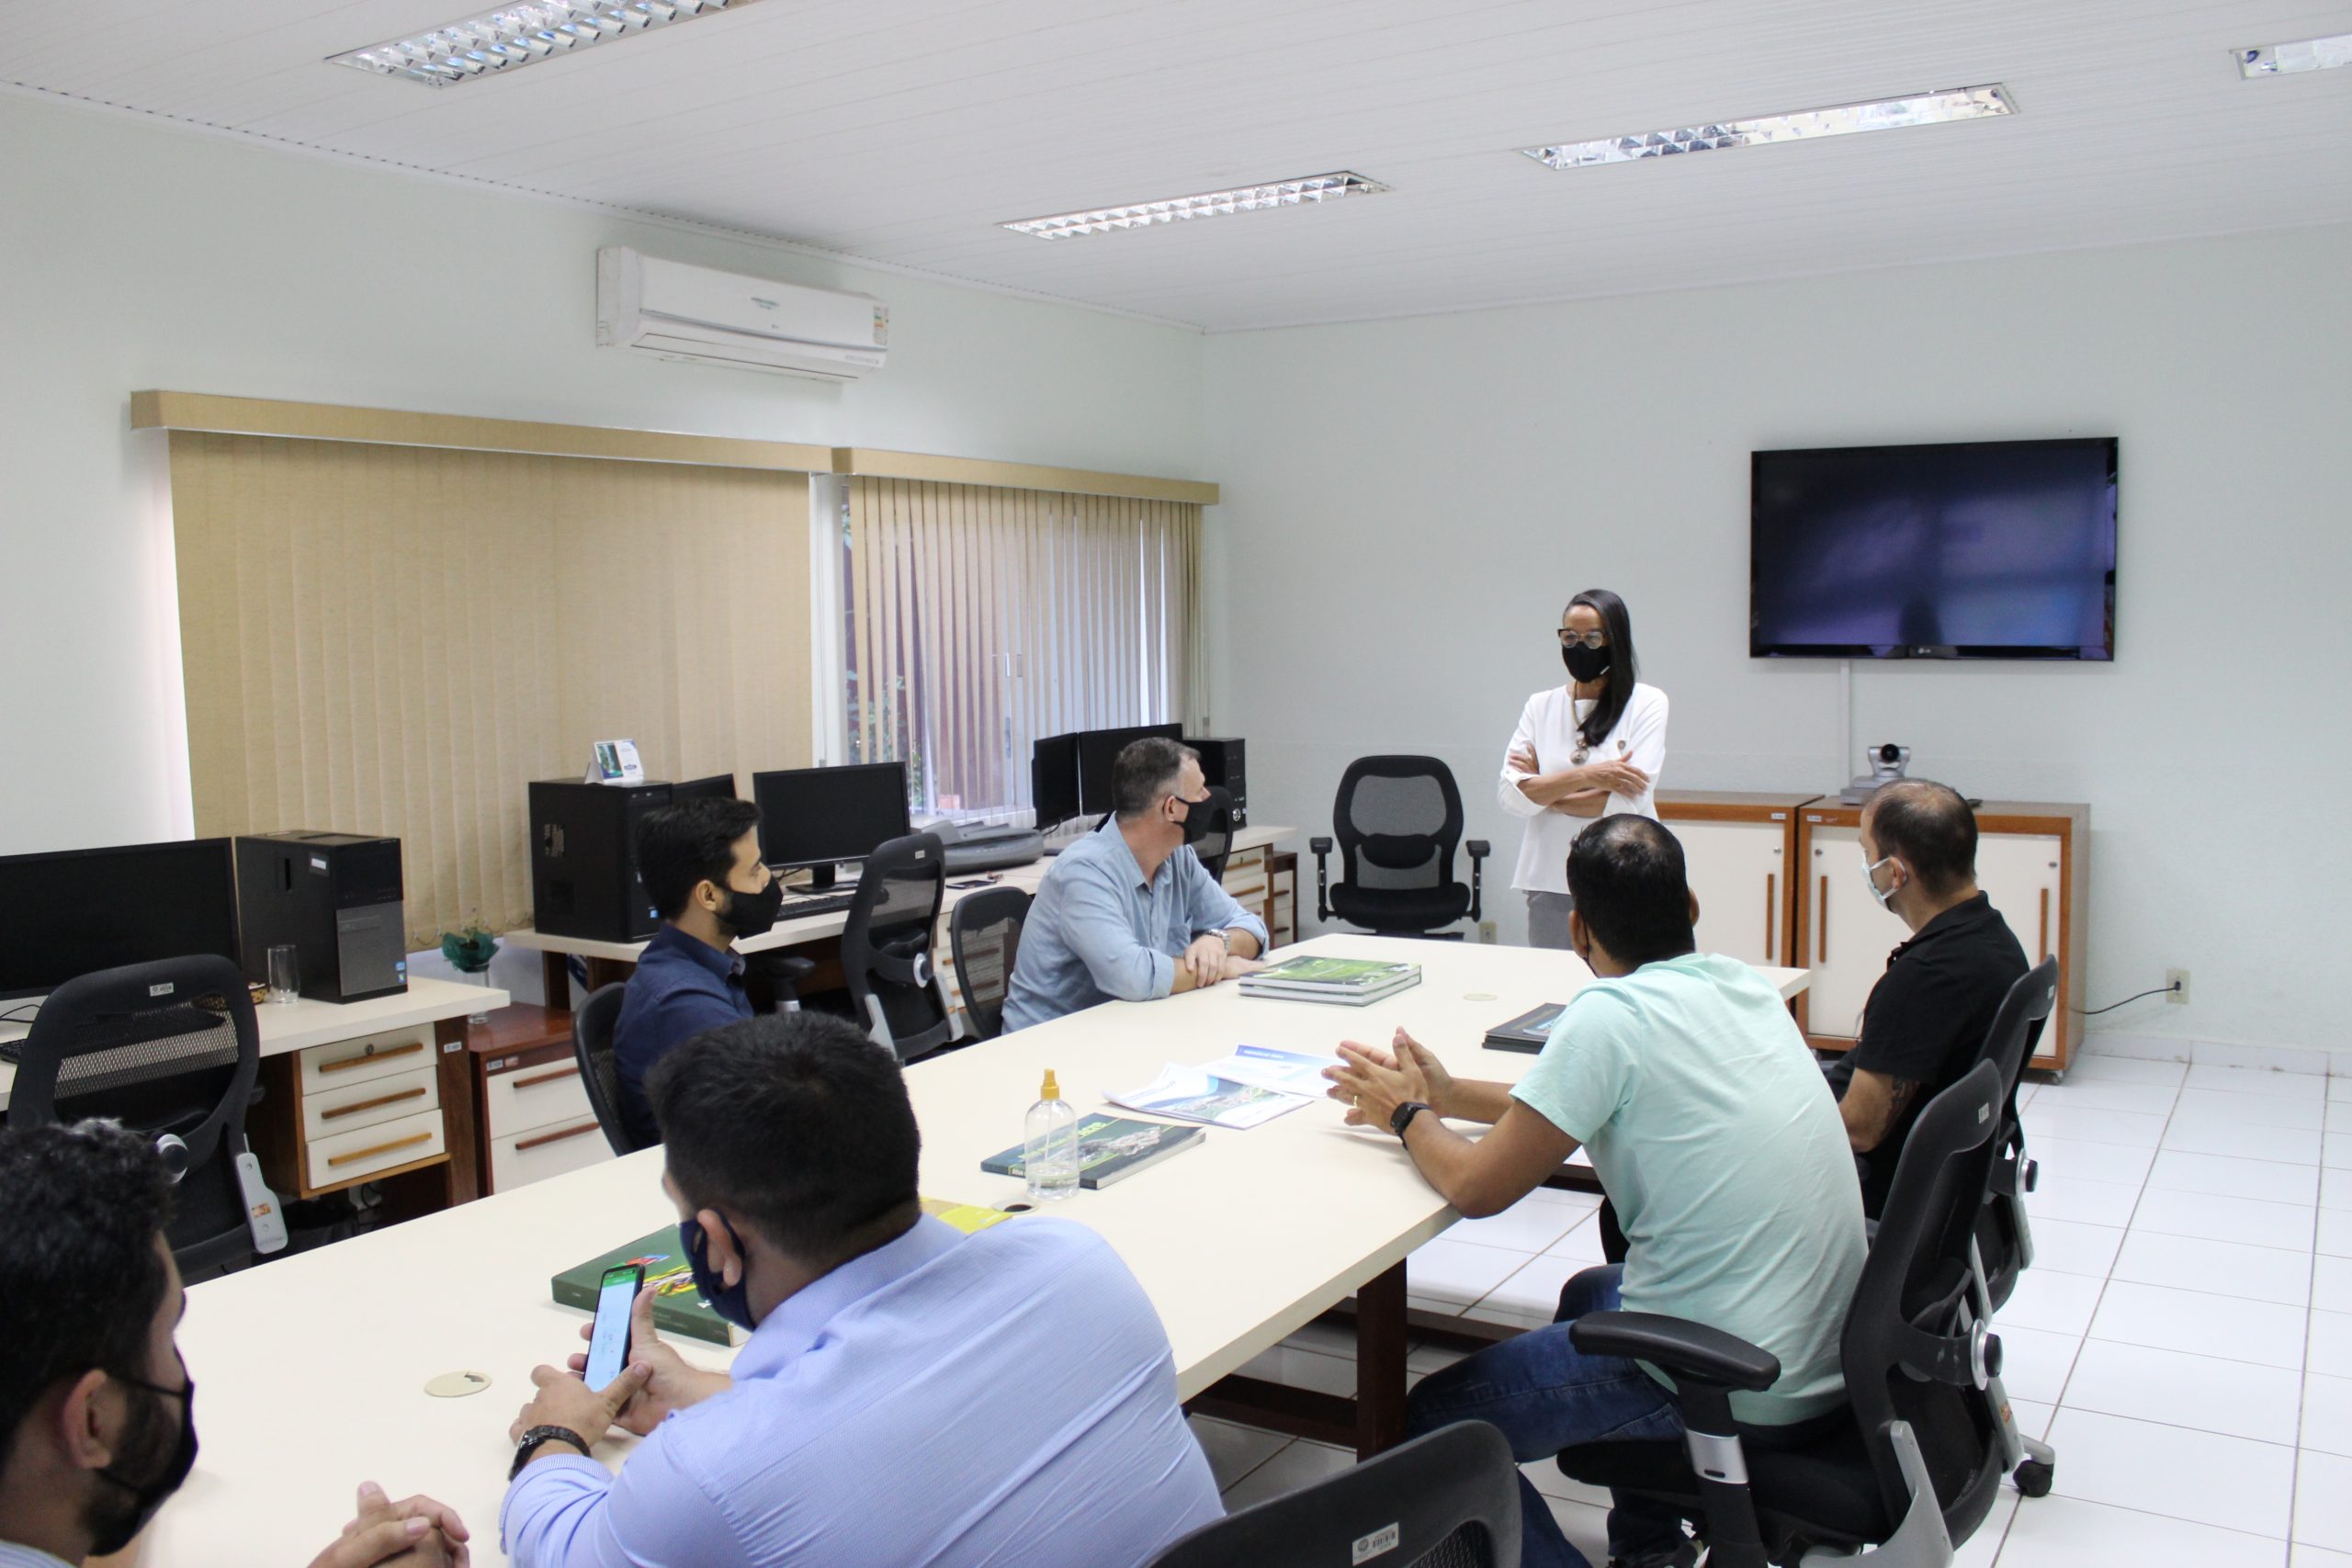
point(700, 863)
point(98, 1410)
point(1129, 911)
point(910, 1393)
point(1927, 1016)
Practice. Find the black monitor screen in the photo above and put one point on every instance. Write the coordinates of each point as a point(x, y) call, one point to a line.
point(1098, 749)
point(74, 913)
point(719, 786)
point(821, 817)
point(1973, 550)
point(1053, 779)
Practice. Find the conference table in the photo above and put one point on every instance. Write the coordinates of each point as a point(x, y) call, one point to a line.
point(313, 1366)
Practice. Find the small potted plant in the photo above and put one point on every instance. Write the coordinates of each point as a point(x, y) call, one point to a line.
point(470, 951)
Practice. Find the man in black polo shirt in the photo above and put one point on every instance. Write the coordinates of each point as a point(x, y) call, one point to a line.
point(1927, 1018)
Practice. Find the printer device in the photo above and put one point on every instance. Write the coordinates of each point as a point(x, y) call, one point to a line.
point(987, 846)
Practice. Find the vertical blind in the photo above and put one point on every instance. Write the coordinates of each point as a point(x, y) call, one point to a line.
point(978, 619)
point(397, 640)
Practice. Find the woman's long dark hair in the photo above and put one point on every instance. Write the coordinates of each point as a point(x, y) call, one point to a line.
point(1617, 686)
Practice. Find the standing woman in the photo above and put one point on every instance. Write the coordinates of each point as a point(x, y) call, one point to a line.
point(1590, 749)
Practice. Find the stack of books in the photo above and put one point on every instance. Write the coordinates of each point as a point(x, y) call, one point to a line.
point(1349, 982)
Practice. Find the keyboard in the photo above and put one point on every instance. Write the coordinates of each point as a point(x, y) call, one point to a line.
point(817, 904)
point(117, 1029)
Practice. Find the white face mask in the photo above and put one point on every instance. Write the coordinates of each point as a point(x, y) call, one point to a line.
point(1870, 878)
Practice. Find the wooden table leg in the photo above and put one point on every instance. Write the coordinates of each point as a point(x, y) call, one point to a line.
point(555, 978)
point(456, 1084)
point(1380, 1363)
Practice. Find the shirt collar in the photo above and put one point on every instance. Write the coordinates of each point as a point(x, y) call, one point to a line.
point(1967, 912)
point(723, 962)
point(1123, 853)
point(793, 1328)
point(15, 1556)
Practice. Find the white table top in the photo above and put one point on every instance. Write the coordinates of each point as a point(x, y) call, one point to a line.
point(817, 928)
point(313, 1366)
point(298, 1025)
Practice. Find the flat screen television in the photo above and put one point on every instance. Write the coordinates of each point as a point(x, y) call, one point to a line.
point(1978, 549)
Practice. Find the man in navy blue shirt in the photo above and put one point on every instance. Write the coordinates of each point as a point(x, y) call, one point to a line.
point(700, 861)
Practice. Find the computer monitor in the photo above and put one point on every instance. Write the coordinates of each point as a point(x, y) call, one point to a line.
point(821, 817)
point(76, 912)
point(1098, 749)
point(1053, 780)
point(719, 786)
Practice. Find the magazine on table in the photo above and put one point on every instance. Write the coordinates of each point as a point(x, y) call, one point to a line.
point(1196, 1094)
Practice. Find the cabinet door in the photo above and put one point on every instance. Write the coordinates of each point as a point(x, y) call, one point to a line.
point(1735, 869)
point(1851, 933)
point(2018, 872)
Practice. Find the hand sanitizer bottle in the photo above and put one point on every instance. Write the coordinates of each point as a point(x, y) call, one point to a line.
point(1050, 1155)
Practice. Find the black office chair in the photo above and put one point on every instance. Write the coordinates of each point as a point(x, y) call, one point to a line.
point(984, 931)
point(1913, 1461)
point(1397, 820)
point(170, 1049)
point(591, 1047)
point(1446, 1500)
point(1216, 847)
point(887, 946)
point(2004, 1240)
point(783, 972)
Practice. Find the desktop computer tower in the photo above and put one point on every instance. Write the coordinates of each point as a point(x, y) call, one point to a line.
point(337, 899)
point(1221, 764)
point(584, 859)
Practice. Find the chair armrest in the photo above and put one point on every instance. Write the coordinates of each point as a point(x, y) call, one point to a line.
point(1479, 850)
point(1685, 1348)
point(1321, 848)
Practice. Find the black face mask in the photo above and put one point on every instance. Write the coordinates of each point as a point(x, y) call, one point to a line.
point(1585, 663)
point(731, 1302)
point(1197, 815)
point(112, 1532)
point(753, 914)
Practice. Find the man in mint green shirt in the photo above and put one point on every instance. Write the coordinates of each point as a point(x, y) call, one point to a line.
point(1683, 1077)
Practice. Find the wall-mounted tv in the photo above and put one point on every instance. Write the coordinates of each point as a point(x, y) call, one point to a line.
point(1979, 549)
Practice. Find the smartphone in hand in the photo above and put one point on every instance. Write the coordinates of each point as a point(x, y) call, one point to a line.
point(608, 1345)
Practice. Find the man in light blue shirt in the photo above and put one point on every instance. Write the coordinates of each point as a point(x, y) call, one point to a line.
point(910, 1393)
point(1129, 911)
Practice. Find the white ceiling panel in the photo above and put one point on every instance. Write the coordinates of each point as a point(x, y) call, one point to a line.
point(905, 132)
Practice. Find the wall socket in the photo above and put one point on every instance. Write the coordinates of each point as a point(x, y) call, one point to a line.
point(1486, 932)
point(2178, 980)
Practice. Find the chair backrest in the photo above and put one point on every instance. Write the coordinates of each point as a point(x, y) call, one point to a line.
point(1913, 1342)
point(169, 1049)
point(591, 1046)
point(2003, 1244)
point(1217, 845)
point(1446, 1500)
point(887, 947)
point(984, 929)
point(1397, 820)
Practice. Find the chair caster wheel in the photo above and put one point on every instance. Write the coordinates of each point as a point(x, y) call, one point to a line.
point(2033, 1477)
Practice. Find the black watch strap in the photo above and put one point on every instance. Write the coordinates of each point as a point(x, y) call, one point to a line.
point(1402, 1117)
point(537, 1439)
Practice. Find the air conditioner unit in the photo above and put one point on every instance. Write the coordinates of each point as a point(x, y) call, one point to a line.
point(722, 318)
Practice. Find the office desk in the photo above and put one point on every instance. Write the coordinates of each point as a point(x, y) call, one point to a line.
point(313, 1366)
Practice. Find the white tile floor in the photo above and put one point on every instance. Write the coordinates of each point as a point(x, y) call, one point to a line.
point(2184, 1338)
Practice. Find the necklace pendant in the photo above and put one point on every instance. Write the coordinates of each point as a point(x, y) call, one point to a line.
point(1577, 757)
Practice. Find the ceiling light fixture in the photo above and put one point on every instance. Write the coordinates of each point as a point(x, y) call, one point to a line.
point(1883, 114)
point(1211, 204)
point(518, 35)
point(2279, 59)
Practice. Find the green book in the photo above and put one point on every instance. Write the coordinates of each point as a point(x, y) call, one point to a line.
point(1110, 1148)
point(678, 1307)
point(1348, 974)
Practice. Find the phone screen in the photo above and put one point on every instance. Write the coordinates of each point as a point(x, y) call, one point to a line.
point(608, 1344)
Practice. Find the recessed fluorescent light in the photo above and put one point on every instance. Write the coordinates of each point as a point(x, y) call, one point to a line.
point(518, 35)
point(1884, 114)
point(1210, 204)
point(2278, 59)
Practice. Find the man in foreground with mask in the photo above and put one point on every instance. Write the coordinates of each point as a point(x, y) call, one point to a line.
point(700, 863)
point(1129, 911)
point(97, 1412)
point(909, 1394)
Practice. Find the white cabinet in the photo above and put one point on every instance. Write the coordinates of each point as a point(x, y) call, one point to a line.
point(1851, 933)
point(1739, 871)
point(2021, 874)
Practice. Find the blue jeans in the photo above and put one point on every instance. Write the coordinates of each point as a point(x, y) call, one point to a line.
point(1546, 1395)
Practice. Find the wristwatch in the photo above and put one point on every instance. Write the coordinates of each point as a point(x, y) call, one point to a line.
point(539, 1437)
point(1402, 1117)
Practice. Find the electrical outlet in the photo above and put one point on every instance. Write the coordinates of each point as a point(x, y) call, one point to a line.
point(1486, 932)
point(2178, 980)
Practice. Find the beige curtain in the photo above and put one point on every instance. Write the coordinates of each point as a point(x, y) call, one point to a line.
point(981, 619)
point(395, 639)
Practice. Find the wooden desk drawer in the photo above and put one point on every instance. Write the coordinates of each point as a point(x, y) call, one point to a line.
point(349, 1156)
point(347, 1107)
point(533, 1097)
point(520, 1158)
point(359, 1061)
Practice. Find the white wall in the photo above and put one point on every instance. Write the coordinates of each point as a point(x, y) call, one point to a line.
point(1409, 503)
point(133, 256)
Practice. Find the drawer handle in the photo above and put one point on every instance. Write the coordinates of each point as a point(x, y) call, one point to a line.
point(334, 1160)
point(535, 1079)
point(372, 1054)
point(1771, 882)
point(1821, 939)
point(2045, 926)
point(528, 1144)
point(357, 1106)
